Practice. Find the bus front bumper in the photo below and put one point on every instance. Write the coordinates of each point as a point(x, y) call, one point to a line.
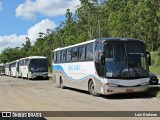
point(118, 90)
point(2, 73)
point(42, 74)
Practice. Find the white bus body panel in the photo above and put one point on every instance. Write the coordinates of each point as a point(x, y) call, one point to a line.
point(13, 71)
point(23, 71)
point(78, 74)
point(7, 71)
point(74, 74)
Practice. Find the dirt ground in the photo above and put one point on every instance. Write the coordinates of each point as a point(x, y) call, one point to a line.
point(43, 95)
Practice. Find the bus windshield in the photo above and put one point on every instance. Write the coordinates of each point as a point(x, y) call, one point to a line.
point(125, 60)
point(2, 68)
point(38, 65)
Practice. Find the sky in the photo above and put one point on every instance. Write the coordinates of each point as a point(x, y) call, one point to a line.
point(26, 18)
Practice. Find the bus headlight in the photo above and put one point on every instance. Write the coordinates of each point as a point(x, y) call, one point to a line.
point(111, 84)
point(145, 83)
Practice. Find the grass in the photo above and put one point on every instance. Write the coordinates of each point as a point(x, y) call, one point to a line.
point(49, 69)
point(155, 57)
point(155, 69)
point(158, 94)
point(50, 78)
point(154, 91)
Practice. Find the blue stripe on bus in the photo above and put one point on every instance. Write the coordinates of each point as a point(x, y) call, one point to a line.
point(59, 68)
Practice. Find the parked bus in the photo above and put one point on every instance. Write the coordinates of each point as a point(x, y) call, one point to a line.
point(7, 70)
point(2, 69)
point(103, 66)
point(32, 67)
point(15, 68)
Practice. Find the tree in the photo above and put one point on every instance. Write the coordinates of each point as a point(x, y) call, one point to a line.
point(11, 54)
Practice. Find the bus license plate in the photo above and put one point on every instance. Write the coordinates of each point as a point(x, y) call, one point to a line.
point(129, 90)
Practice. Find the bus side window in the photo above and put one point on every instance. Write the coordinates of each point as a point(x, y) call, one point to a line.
point(63, 56)
point(26, 62)
point(55, 57)
point(14, 64)
point(89, 51)
point(68, 55)
point(74, 53)
point(59, 56)
point(81, 53)
point(22, 62)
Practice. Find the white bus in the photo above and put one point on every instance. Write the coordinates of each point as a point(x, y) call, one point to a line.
point(15, 68)
point(32, 67)
point(7, 70)
point(103, 66)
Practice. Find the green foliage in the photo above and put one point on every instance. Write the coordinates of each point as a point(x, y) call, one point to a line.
point(154, 69)
point(155, 56)
point(154, 91)
point(49, 69)
point(11, 54)
point(50, 78)
point(158, 94)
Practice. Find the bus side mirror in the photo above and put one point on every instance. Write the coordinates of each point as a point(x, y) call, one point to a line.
point(103, 60)
point(148, 58)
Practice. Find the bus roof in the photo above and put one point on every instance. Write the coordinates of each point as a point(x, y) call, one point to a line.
point(33, 57)
point(100, 39)
point(13, 61)
point(8, 63)
point(75, 45)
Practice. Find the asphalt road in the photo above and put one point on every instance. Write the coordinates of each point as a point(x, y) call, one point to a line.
point(43, 95)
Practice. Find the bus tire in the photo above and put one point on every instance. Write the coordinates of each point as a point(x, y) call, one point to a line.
point(61, 83)
point(28, 77)
point(91, 88)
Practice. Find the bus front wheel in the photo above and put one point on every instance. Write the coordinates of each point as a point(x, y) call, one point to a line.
point(28, 77)
point(92, 88)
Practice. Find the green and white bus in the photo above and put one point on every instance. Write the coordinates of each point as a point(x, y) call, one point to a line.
point(7, 69)
point(103, 66)
point(14, 68)
point(34, 66)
